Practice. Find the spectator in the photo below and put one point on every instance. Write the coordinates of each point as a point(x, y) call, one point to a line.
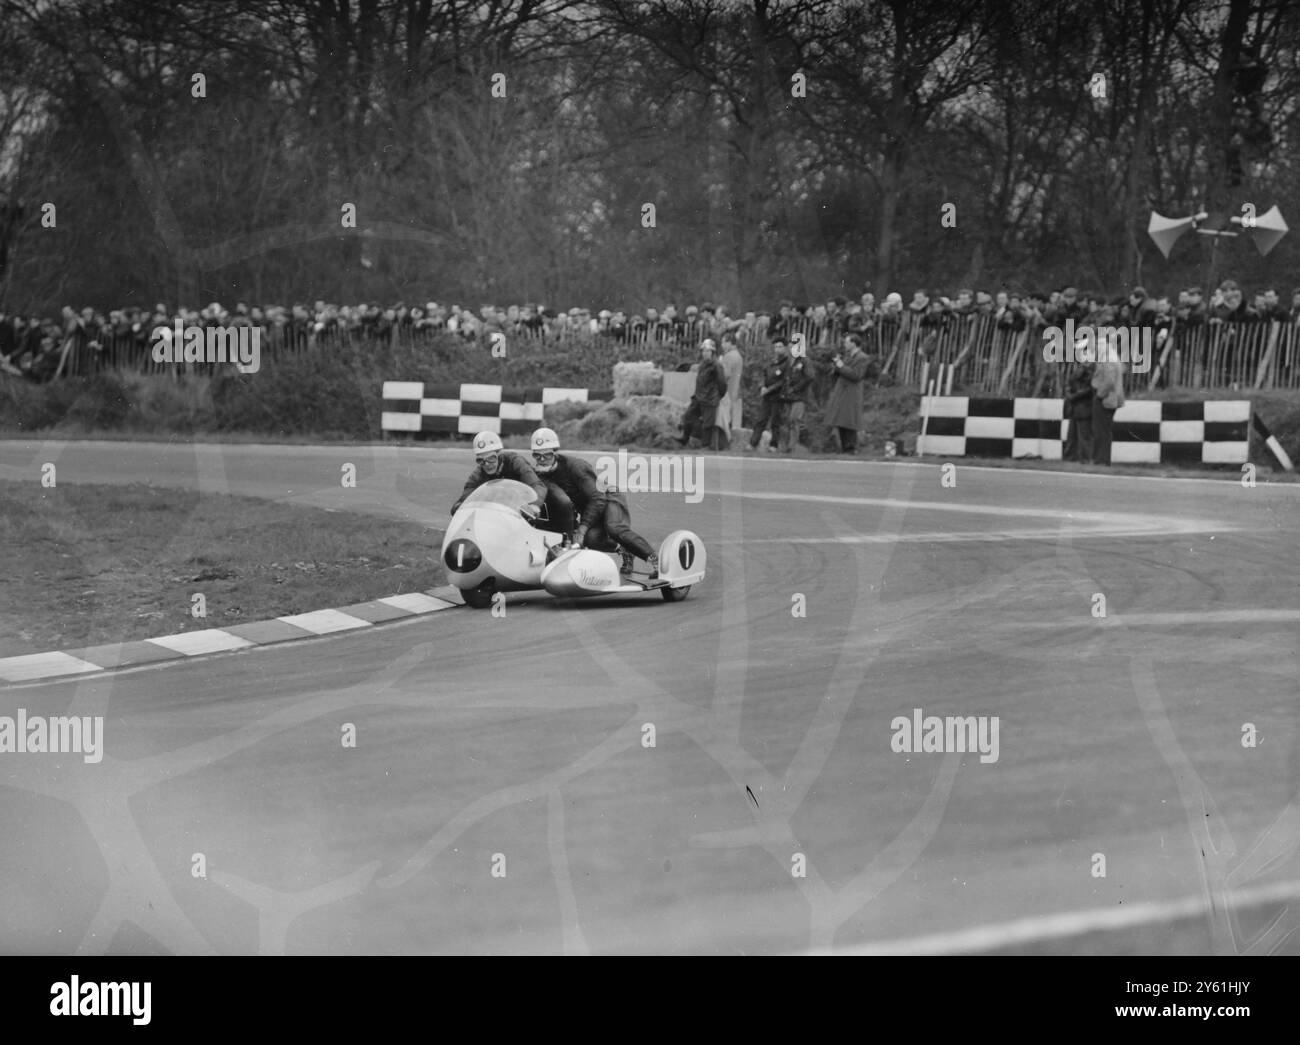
point(1138, 310)
point(1067, 308)
point(667, 327)
point(1078, 411)
point(1229, 306)
point(794, 399)
point(835, 316)
point(1108, 388)
point(746, 328)
point(710, 386)
point(936, 317)
point(917, 309)
point(782, 324)
point(1191, 308)
point(722, 321)
point(855, 320)
point(691, 324)
point(1013, 318)
point(772, 396)
point(733, 365)
point(891, 311)
point(1269, 307)
point(844, 405)
point(531, 320)
point(708, 320)
point(818, 331)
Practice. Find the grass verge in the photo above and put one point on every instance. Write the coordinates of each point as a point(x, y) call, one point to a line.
point(87, 564)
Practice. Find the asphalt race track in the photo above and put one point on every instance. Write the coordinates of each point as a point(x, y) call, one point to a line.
point(518, 744)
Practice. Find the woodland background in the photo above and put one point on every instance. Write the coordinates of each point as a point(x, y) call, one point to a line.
point(687, 104)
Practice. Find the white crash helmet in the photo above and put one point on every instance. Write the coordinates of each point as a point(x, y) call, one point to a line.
point(544, 444)
point(487, 452)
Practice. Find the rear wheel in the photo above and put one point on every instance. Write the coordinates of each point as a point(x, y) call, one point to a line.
point(674, 594)
point(479, 598)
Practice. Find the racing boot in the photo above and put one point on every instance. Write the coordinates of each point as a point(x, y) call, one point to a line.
point(653, 563)
point(628, 562)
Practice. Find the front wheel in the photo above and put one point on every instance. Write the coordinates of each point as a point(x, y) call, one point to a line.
point(479, 598)
point(674, 594)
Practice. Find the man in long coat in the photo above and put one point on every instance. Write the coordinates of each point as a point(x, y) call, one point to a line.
point(844, 404)
point(733, 364)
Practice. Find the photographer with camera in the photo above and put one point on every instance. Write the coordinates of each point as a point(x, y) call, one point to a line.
point(844, 404)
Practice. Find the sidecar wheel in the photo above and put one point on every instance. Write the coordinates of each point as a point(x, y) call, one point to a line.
point(479, 598)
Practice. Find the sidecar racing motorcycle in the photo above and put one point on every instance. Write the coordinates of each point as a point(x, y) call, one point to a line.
point(490, 547)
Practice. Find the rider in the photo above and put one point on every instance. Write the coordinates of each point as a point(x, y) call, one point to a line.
point(605, 516)
point(493, 462)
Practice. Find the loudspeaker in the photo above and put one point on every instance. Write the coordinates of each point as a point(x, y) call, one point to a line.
point(1166, 231)
point(1269, 228)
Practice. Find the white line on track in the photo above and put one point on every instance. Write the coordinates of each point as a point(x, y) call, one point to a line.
point(1073, 533)
point(461, 454)
point(936, 506)
point(1024, 931)
point(1068, 524)
point(1260, 616)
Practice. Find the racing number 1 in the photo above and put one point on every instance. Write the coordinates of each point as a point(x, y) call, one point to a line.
point(686, 554)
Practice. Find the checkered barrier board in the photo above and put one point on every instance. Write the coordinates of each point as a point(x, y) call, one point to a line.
point(1144, 431)
point(412, 406)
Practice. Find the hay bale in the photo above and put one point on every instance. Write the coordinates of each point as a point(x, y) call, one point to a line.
point(556, 414)
point(635, 379)
point(650, 421)
point(667, 410)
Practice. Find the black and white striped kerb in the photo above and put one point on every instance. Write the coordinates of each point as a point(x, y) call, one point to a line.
point(412, 406)
point(1144, 431)
point(1283, 458)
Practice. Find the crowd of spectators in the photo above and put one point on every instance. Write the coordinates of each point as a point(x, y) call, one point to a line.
point(36, 346)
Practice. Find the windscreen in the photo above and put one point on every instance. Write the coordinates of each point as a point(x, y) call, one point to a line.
point(501, 491)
